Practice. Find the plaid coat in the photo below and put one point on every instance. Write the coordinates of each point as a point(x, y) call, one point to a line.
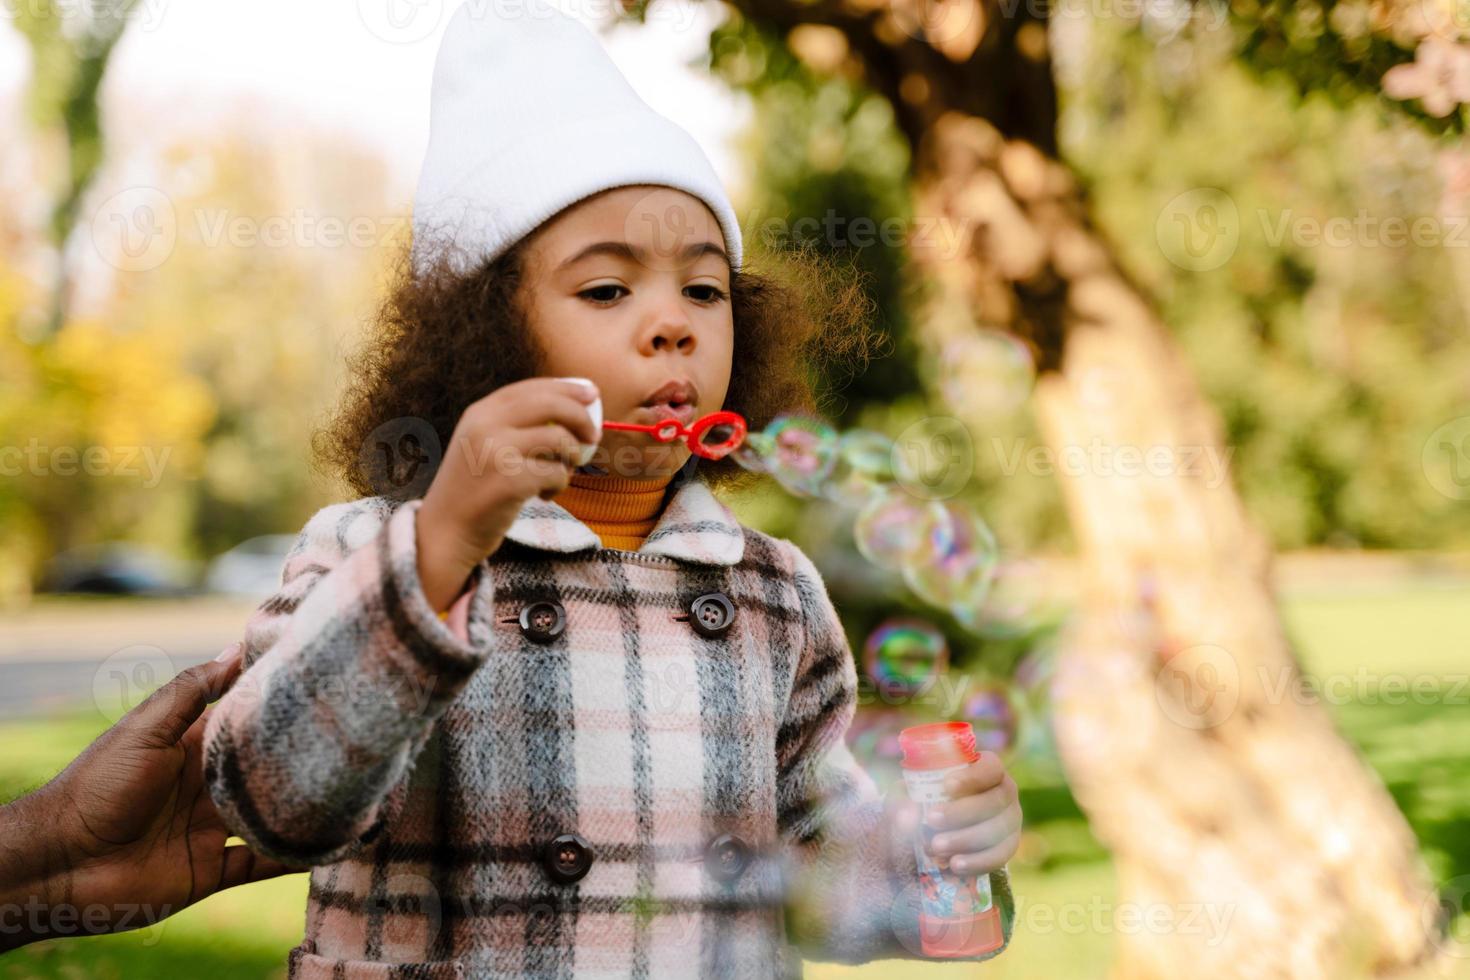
point(433, 773)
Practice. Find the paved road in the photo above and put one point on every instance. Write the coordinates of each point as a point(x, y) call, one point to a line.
point(62, 655)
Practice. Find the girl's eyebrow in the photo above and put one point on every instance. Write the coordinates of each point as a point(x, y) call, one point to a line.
point(638, 254)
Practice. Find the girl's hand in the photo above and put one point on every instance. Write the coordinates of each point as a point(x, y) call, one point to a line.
point(519, 441)
point(979, 828)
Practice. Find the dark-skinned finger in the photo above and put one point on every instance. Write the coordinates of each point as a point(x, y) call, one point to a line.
point(166, 714)
point(193, 739)
point(241, 866)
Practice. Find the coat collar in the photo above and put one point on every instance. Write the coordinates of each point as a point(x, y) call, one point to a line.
point(694, 526)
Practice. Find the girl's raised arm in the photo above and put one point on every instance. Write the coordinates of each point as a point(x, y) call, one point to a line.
point(346, 670)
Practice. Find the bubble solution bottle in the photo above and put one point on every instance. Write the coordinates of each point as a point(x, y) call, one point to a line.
point(959, 917)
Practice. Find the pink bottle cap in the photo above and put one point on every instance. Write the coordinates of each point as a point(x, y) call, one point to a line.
point(938, 745)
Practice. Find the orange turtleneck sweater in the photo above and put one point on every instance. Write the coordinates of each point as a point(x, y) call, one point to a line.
point(621, 511)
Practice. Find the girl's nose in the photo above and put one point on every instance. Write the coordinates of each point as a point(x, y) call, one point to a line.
point(672, 333)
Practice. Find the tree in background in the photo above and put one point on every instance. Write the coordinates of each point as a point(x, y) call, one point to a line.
point(199, 369)
point(1319, 365)
point(1208, 788)
point(71, 45)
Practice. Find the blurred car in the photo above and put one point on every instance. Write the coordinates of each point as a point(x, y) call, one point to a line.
point(251, 568)
point(117, 568)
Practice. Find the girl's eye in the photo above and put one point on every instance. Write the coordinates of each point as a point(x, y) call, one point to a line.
point(599, 294)
point(714, 294)
point(599, 289)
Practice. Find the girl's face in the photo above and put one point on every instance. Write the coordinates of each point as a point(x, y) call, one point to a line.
point(631, 288)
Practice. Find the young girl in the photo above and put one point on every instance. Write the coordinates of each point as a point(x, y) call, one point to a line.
point(537, 704)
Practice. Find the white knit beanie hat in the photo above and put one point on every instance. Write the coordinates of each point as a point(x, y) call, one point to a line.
point(528, 114)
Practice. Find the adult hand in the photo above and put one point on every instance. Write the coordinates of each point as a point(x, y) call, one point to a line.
point(127, 834)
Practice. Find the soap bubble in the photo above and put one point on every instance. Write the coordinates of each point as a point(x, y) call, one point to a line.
point(954, 562)
point(754, 451)
point(891, 525)
point(873, 736)
point(868, 453)
point(993, 716)
point(1017, 601)
point(1035, 736)
point(805, 450)
point(934, 457)
point(944, 551)
point(1034, 673)
point(903, 655)
point(864, 463)
point(986, 373)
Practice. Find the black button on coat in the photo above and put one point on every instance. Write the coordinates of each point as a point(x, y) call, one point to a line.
point(567, 858)
point(712, 614)
point(543, 620)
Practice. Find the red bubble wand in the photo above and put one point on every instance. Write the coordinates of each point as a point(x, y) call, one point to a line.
point(670, 429)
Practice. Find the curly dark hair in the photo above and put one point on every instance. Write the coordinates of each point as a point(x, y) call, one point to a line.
point(443, 339)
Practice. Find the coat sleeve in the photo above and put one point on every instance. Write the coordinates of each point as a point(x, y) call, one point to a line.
point(346, 670)
point(852, 889)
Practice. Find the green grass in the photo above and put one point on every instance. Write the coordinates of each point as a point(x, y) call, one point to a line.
point(242, 934)
point(1414, 734)
point(1415, 745)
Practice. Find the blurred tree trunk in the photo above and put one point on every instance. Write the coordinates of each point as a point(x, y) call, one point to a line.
point(1219, 793)
point(71, 45)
